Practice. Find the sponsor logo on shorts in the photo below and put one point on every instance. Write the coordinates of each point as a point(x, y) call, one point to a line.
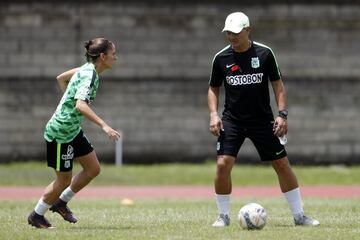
point(244, 79)
point(67, 164)
point(69, 154)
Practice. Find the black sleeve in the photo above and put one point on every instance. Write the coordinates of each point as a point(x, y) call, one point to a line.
point(216, 77)
point(274, 71)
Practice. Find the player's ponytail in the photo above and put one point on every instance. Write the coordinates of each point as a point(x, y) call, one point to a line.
point(87, 45)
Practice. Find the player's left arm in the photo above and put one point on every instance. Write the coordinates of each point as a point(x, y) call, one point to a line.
point(280, 124)
point(84, 108)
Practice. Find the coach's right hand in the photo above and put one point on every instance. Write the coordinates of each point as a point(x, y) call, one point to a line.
point(216, 124)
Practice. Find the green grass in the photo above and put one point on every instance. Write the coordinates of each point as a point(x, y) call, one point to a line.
point(181, 219)
point(38, 174)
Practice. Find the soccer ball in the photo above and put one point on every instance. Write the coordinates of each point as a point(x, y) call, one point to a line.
point(252, 216)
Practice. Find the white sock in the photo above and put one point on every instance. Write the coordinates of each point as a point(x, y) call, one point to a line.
point(67, 195)
point(293, 198)
point(41, 207)
point(223, 203)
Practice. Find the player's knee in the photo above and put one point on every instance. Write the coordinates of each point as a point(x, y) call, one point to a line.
point(97, 171)
point(93, 172)
point(63, 182)
point(281, 165)
point(223, 167)
point(67, 182)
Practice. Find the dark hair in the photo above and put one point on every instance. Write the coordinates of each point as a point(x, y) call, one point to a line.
point(95, 47)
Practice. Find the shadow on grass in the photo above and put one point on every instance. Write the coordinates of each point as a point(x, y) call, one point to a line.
point(283, 226)
point(73, 228)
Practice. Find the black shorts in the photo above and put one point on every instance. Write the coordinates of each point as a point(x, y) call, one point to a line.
point(266, 143)
point(60, 156)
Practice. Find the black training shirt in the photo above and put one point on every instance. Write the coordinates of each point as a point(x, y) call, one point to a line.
point(246, 77)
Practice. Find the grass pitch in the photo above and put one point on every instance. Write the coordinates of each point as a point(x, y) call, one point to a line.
point(181, 219)
point(38, 174)
point(185, 219)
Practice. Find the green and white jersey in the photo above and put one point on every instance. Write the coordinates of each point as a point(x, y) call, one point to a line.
point(64, 125)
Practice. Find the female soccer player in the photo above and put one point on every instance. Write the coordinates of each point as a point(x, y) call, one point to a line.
point(64, 137)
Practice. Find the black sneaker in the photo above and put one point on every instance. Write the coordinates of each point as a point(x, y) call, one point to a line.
point(38, 221)
point(60, 207)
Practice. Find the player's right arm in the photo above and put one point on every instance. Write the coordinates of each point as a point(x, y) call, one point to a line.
point(215, 83)
point(64, 78)
point(213, 101)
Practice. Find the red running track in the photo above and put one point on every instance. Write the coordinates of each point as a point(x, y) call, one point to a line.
point(175, 192)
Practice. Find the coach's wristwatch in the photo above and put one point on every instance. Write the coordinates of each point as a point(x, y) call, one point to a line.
point(283, 113)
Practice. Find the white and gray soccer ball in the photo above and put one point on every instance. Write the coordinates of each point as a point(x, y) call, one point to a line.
point(252, 216)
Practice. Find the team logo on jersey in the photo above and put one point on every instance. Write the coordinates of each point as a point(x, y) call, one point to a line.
point(255, 63)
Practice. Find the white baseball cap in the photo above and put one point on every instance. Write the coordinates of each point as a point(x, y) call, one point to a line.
point(235, 22)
